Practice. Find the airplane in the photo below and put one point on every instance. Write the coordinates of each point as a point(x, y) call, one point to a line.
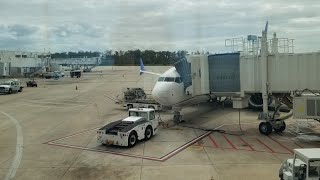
point(169, 91)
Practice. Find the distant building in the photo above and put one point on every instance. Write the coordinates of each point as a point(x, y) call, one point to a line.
point(20, 63)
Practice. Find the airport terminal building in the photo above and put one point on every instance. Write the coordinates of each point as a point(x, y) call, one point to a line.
point(21, 63)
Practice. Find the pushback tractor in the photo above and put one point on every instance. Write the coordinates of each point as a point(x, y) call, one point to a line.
point(141, 124)
point(304, 166)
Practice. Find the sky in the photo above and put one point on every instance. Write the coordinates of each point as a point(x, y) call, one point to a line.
point(192, 25)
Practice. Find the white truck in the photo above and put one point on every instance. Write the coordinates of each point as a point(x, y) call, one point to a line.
point(141, 124)
point(10, 86)
point(137, 98)
point(304, 166)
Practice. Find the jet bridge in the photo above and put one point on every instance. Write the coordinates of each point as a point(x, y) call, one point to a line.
point(268, 74)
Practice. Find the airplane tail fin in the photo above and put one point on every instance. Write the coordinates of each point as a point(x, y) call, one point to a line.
point(141, 66)
point(142, 70)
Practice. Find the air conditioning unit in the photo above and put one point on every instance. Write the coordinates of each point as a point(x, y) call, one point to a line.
point(306, 107)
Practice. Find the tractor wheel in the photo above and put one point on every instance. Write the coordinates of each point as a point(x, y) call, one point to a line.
point(132, 139)
point(148, 133)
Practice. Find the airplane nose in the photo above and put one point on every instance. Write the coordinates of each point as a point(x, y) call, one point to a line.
point(155, 95)
point(161, 94)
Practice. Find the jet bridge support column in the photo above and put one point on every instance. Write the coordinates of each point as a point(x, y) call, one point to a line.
point(265, 126)
point(269, 122)
point(264, 73)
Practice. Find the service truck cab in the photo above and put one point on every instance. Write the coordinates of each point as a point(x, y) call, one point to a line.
point(140, 124)
point(10, 86)
point(304, 166)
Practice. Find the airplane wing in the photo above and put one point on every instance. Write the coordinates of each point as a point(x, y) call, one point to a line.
point(142, 70)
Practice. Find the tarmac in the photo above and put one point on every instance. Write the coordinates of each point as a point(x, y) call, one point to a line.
point(49, 132)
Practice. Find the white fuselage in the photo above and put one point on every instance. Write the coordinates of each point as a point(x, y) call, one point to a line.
point(169, 89)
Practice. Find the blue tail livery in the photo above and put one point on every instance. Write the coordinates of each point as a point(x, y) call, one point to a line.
point(141, 67)
point(142, 70)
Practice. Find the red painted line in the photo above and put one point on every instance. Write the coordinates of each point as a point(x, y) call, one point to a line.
point(243, 149)
point(229, 142)
point(251, 148)
point(298, 145)
point(213, 141)
point(281, 145)
point(271, 150)
point(162, 159)
point(181, 148)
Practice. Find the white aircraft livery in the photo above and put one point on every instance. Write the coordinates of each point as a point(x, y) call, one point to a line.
point(169, 91)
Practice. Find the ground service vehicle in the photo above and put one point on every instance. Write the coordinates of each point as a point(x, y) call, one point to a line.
point(76, 73)
point(32, 83)
point(137, 98)
point(304, 166)
point(141, 124)
point(10, 86)
point(51, 75)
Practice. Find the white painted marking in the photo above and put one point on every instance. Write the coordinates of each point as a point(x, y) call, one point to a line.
point(52, 106)
point(54, 103)
point(19, 148)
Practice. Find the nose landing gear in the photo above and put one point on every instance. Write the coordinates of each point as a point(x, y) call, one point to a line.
point(277, 125)
point(177, 118)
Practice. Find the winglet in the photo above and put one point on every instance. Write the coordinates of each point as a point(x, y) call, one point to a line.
point(141, 66)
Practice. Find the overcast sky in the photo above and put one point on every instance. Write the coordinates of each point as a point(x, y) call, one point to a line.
point(72, 25)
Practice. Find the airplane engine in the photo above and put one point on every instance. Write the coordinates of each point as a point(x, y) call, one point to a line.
point(256, 100)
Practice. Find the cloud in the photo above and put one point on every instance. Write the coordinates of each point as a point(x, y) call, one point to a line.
point(150, 24)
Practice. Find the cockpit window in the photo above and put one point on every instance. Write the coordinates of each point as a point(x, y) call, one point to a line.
point(161, 79)
point(169, 79)
point(178, 80)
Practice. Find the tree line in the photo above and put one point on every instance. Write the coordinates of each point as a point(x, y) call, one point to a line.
point(80, 54)
point(130, 57)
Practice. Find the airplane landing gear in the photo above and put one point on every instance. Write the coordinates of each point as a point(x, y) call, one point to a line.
point(277, 125)
point(265, 128)
point(177, 117)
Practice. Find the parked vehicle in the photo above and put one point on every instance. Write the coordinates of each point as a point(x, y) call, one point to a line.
point(304, 165)
point(137, 98)
point(51, 75)
point(32, 83)
point(141, 124)
point(76, 73)
point(59, 73)
point(11, 86)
